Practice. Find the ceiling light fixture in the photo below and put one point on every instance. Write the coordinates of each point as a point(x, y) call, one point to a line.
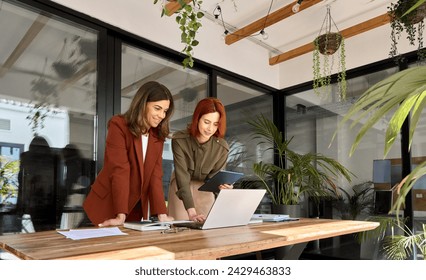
point(226, 32)
point(217, 12)
point(265, 35)
point(296, 6)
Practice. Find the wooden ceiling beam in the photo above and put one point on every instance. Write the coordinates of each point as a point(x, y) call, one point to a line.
point(346, 33)
point(266, 21)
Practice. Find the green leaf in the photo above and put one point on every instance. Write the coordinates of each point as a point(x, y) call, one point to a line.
point(415, 6)
point(385, 97)
point(183, 37)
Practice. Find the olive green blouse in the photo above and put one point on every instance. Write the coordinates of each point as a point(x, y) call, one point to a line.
point(195, 161)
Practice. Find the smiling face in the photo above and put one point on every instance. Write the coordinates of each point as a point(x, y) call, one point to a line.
point(156, 112)
point(207, 126)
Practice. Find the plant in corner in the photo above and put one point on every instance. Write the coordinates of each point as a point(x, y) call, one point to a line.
point(353, 205)
point(325, 46)
point(408, 16)
point(309, 174)
point(188, 18)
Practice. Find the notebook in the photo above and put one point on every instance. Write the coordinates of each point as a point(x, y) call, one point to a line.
point(222, 177)
point(270, 217)
point(232, 207)
point(273, 218)
point(148, 225)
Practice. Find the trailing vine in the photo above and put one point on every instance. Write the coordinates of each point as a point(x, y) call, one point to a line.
point(189, 21)
point(412, 23)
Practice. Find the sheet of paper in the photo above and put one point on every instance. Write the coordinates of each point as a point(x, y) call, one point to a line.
point(77, 234)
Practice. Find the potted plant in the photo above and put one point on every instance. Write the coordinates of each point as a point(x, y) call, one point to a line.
point(294, 175)
point(408, 16)
point(401, 246)
point(189, 21)
point(352, 205)
point(325, 46)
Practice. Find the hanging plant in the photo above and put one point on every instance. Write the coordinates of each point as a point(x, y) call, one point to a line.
point(325, 46)
point(408, 16)
point(188, 18)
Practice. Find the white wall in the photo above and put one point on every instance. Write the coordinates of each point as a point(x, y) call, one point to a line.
point(56, 130)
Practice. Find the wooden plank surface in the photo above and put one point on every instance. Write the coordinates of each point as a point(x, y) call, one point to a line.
point(188, 244)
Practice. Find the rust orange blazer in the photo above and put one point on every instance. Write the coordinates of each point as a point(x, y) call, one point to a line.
point(124, 178)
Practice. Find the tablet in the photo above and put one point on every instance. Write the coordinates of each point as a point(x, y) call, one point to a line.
point(222, 177)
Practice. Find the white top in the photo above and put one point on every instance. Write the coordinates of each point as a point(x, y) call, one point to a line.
point(144, 145)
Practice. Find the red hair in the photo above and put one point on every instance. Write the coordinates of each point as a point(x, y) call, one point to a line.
point(206, 106)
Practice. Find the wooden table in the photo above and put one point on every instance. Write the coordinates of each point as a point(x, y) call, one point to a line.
point(188, 244)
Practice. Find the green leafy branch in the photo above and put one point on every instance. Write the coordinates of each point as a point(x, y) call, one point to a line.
point(189, 20)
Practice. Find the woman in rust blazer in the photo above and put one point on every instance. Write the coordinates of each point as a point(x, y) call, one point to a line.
point(130, 182)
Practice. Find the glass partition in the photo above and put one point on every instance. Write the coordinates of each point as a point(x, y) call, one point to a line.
point(48, 81)
point(312, 120)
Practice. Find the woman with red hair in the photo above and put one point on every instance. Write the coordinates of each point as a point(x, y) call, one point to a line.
point(199, 152)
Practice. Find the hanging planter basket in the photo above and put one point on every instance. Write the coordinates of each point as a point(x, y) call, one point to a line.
point(412, 24)
point(416, 16)
point(328, 43)
point(419, 14)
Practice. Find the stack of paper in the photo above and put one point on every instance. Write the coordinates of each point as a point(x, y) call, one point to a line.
point(77, 234)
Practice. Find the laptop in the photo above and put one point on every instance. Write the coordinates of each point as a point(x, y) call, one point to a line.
point(232, 207)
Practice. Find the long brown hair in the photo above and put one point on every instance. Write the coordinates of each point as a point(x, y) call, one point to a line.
point(135, 116)
point(206, 106)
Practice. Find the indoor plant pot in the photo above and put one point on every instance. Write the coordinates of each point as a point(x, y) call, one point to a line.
point(408, 16)
point(326, 46)
point(328, 43)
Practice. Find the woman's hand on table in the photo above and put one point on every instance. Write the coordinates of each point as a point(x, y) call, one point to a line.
point(117, 221)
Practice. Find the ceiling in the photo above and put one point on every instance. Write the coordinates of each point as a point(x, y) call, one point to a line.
point(33, 39)
point(291, 34)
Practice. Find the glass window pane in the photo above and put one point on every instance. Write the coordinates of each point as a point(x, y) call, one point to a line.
point(47, 95)
point(312, 121)
point(242, 104)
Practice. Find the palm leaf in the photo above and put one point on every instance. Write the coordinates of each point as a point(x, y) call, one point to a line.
point(386, 96)
point(415, 6)
point(403, 188)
